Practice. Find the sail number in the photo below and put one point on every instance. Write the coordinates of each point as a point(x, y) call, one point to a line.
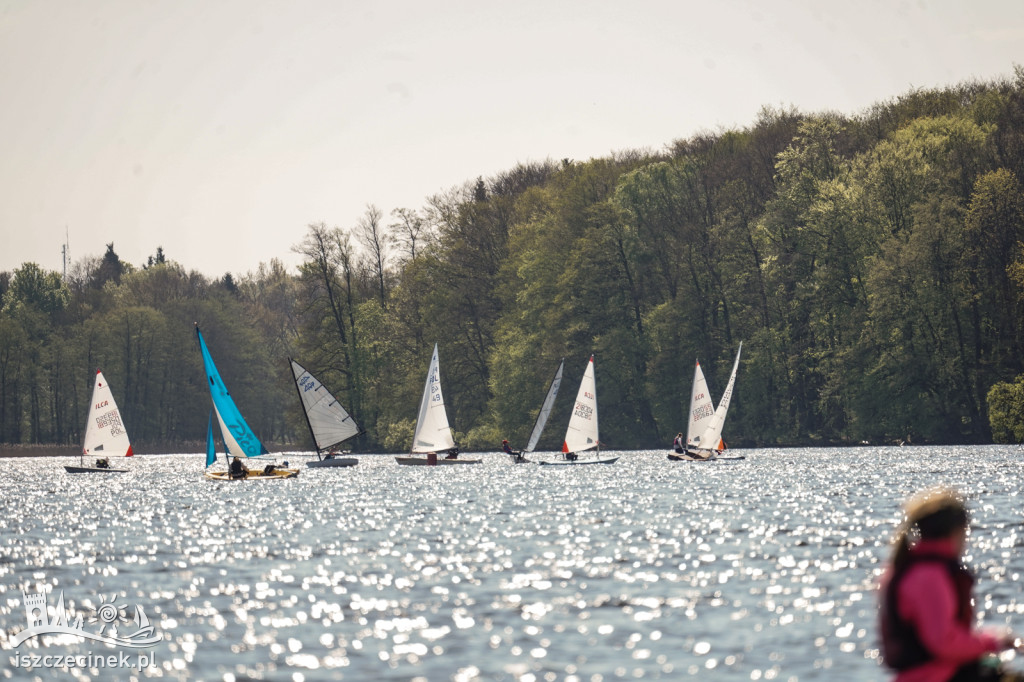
point(584, 411)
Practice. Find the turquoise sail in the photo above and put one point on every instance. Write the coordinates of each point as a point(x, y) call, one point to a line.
point(211, 451)
point(238, 437)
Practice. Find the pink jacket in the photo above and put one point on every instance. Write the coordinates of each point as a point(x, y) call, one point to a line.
point(926, 597)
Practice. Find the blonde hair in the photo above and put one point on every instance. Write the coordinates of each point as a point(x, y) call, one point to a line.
point(934, 513)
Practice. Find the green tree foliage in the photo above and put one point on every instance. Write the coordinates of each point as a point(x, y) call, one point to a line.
point(33, 290)
point(1006, 411)
point(873, 266)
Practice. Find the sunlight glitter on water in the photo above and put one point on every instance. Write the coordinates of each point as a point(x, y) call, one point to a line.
point(758, 569)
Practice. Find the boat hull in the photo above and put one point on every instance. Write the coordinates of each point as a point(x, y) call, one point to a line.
point(332, 462)
point(93, 470)
point(572, 462)
point(252, 475)
point(423, 461)
point(686, 457)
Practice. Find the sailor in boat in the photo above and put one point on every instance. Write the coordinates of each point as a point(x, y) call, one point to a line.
point(238, 470)
point(272, 468)
point(515, 454)
point(452, 454)
point(678, 444)
point(927, 618)
point(103, 463)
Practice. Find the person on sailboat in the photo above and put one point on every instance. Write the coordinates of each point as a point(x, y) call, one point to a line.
point(452, 454)
point(926, 613)
point(238, 470)
point(678, 445)
point(516, 455)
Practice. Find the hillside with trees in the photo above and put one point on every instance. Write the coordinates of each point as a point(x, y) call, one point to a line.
point(872, 264)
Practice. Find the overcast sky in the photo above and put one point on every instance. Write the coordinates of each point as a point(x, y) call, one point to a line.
point(219, 129)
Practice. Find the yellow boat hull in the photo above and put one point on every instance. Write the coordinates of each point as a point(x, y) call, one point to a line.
point(259, 474)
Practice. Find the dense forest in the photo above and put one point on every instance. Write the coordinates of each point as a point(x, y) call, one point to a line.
point(871, 264)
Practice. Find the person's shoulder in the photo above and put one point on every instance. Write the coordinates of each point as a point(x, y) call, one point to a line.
point(925, 576)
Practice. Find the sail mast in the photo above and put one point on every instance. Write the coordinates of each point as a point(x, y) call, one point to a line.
point(712, 437)
point(329, 422)
point(104, 430)
point(545, 409)
point(305, 412)
point(702, 408)
point(238, 436)
point(433, 432)
point(582, 433)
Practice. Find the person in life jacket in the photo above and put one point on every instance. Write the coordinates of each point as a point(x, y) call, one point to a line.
point(926, 613)
point(517, 456)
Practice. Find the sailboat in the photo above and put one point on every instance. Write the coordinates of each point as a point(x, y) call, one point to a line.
point(704, 433)
point(234, 431)
point(104, 432)
point(433, 435)
point(581, 435)
point(329, 423)
point(542, 417)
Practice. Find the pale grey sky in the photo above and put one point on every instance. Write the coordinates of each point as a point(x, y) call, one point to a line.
point(219, 129)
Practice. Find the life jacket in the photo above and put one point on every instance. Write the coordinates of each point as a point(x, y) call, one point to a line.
point(901, 647)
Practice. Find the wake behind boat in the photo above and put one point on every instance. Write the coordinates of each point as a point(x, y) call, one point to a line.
point(238, 438)
point(582, 434)
point(704, 431)
point(433, 435)
point(104, 432)
point(329, 423)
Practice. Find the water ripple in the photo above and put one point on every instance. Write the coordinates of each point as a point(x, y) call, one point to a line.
point(761, 569)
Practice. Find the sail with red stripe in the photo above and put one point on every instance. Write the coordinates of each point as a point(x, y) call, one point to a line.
point(105, 433)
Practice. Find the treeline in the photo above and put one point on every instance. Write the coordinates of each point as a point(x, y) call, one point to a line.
point(871, 264)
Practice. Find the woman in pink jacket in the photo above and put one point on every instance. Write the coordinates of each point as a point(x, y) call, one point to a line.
point(927, 610)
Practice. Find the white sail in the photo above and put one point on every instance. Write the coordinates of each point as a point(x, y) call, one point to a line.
point(104, 432)
point(329, 422)
point(582, 432)
point(702, 408)
point(231, 443)
point(712, 436)
point(432, 431)
point(545, 409)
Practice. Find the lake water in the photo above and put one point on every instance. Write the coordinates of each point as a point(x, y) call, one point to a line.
point(760, 569)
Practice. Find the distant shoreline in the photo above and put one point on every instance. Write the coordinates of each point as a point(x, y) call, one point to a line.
point(76, 451)
point(141, 450)
point(39, 451)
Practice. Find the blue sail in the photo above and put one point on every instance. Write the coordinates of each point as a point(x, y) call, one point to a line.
point(238, 437)
point(211, 451)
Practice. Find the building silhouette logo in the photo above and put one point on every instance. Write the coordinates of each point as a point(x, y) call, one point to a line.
point(108, 615)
